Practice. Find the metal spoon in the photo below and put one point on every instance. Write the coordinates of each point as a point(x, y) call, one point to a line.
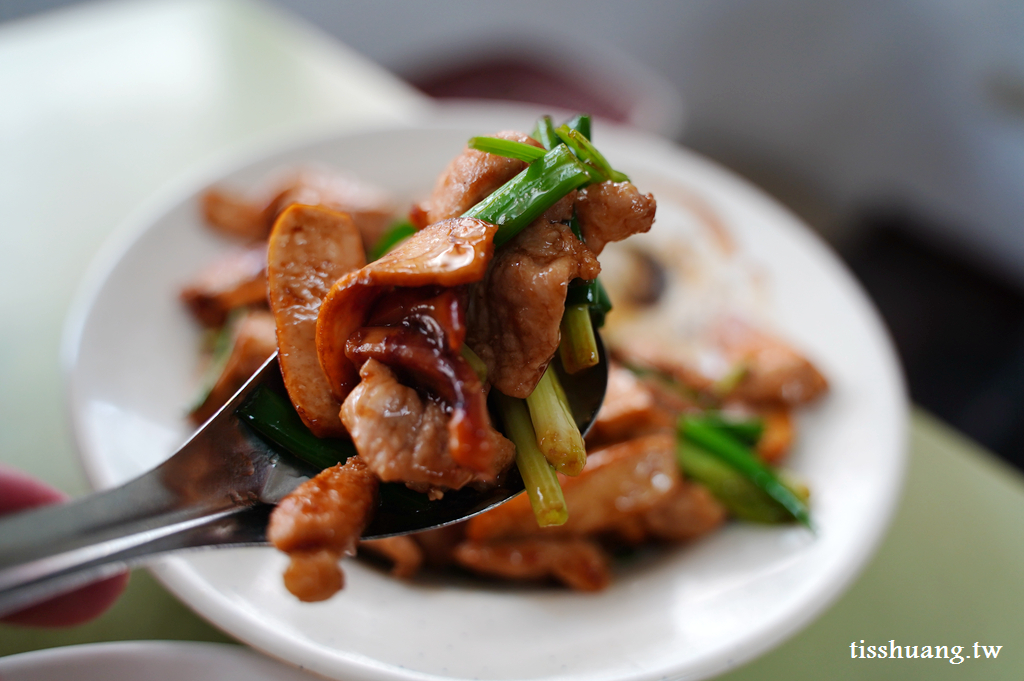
point(217, 490)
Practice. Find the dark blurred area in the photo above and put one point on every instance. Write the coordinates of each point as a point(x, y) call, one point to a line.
point(896, 130)
point(958, 328)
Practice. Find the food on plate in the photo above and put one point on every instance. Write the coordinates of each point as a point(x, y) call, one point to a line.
point(431, 346)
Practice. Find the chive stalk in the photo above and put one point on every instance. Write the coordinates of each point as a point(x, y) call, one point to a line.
point(507, 148)
point(719, 444)
point(589, 154)
point(741, 497)
point(578, 347)
point(525, 197)
point(223, 344)
point(558, 436)
point(593, 294)
point(272, 416)
point(581, 124)
point(747, 429)
point(539, 477)
point(544, 132)
point(477, 364)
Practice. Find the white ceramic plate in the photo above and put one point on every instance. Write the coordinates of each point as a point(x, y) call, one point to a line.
point(146, 661)
point(689, 612)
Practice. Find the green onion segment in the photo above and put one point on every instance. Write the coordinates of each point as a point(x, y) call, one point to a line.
point(700, 439)
point(507, 148)
point(558, 436)
point(578, 347)
point(541, 481)
point(522, 199)
point(272, 415)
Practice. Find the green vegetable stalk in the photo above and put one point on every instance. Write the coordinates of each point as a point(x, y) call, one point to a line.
point(507, 148)
point(522, 199)
point(272, 415)
point(750, 489)
point(578, 347)
point(539, 477)
point(558, 436)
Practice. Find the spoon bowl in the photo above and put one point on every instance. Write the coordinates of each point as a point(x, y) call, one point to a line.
point(218, 490)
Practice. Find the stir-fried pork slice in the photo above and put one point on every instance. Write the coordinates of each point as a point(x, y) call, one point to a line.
point(471, 177)
point(235, 280)
point(731, 361)
point(516, 311)
point(687, 513)
point(405, 554)
point(254, 341)
point(404, 438)
point(618, 482)
point(321, 521)
point(630, 409)
point(432, 366)
point(449, 253)
point(371, 208)
point(774, 372)
point(438, 545)
point(612, 211)
point(578, 563)
point(311, 247)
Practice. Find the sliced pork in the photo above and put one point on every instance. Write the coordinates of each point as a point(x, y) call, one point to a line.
point(311, 247)
point(321, 521)
point(235, 280)
point(470, 178)
point(580, 564)
point(251, 217)
point(516, 311)
point(612, 211)
point(403, 437)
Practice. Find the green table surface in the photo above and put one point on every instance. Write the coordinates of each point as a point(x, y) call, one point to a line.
point(138, 93)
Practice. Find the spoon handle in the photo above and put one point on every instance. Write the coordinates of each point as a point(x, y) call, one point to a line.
point(217, 490)
point(49, 551)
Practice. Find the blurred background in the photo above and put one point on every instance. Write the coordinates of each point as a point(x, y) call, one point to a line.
point(896, 130)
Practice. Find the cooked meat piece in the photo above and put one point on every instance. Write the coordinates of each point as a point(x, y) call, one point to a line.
point(471, 177)
point(438, 545)
point(578, 563)
point(311, 247)
point(321, 521)
point(313, 575)
point(443, 374)
point(617, 482)
point(449, 253)
point(237, 279)
point(612, 211)
point(515, 313)
point(730, 361)
point(254, 341)
point(630, 409)
point(686, 513)
point(370, 207)
point(236, 215)
point(775, 373)
point(403, 552)
point(404, 438)
point(778, 436)
point(438, 312)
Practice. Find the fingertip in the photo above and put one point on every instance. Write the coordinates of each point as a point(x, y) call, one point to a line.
point(73, 608)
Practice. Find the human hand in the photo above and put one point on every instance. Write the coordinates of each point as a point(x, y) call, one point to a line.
point(18, 492)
